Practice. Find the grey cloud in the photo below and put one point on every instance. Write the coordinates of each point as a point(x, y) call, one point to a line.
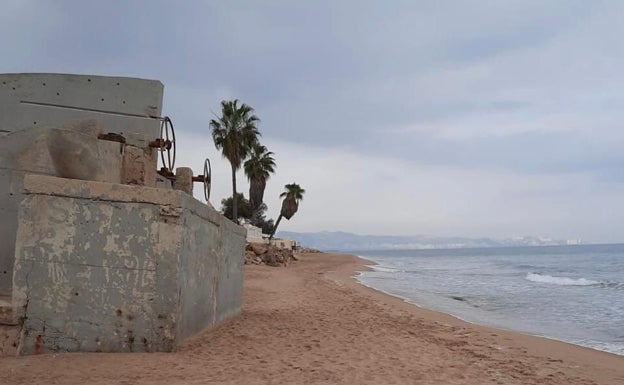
point(521, 88)
point(533, 152)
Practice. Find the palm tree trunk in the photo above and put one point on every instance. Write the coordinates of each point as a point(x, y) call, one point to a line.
point(275, 227)
point(234, 200)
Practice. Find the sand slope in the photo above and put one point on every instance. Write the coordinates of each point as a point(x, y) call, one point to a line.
point(311, 323)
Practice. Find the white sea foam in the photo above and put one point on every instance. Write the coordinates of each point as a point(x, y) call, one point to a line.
point(384, 269)
point(563, 281)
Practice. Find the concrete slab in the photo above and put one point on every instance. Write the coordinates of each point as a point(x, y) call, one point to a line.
point(127, 106)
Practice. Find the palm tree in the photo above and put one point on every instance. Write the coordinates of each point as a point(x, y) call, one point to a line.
point(235, 133)
point(258, 167)
point(293, 194)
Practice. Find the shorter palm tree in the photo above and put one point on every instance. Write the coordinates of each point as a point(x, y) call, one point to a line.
point(293, 194)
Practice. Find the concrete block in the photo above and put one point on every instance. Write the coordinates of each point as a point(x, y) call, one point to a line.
point(137, 167)
point(77, 155)
point(184, 180)
point(118, 268)
point(126, 106)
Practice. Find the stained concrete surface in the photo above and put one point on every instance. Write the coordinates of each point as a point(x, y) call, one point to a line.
point(96, 266)
point(31, 105)
point(108, 267)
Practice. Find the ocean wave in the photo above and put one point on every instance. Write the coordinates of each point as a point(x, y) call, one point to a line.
point(563, 281)
point(384, 269)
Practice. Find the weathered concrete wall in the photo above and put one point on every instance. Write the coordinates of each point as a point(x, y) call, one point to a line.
point(210, 289)
point(122, 105)
point(33, 104)
point(109, 267)
point(20, 152)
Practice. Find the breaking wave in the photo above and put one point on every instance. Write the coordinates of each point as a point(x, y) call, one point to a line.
point(563, 281)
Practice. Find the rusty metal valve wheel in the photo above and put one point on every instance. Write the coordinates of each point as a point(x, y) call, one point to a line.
point(168, 144)
point(207, 179)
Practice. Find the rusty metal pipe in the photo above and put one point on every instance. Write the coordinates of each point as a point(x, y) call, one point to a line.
point(157, 143)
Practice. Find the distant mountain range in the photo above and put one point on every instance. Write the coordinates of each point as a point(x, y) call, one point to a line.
point(341, 241)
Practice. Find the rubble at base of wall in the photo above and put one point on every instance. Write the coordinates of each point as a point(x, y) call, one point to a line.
point(270, 255)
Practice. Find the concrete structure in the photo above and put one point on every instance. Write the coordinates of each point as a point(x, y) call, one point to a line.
point(105, 267)
point(99, 253)
point(32, 104)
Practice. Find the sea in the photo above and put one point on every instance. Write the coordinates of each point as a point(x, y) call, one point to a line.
point(569, 293)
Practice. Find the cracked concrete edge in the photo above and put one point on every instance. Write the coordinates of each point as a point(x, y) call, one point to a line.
point(50, 185)
point(37, 184)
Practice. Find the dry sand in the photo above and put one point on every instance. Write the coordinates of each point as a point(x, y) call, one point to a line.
point(312, 323)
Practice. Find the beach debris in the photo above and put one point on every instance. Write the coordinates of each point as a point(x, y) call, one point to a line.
point(270, 255)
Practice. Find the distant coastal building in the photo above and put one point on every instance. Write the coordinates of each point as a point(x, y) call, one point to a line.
point(286, 243)
point(283, 243)
point(254, 234)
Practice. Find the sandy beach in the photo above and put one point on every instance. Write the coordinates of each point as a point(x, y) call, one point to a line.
point(312, 322)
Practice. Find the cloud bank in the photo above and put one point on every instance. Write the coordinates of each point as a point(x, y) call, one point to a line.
point(445, 118)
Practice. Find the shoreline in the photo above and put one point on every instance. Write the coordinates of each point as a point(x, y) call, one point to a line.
point(313, 323)
point(594, 361)
point(368, 263)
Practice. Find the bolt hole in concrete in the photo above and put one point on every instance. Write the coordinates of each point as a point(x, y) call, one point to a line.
point(117, 83)
point(124, 102)
point(34, 122)
point(88, 80)
point(57, 94)
point(102, 99)
point(44, 84)
point(76, 294)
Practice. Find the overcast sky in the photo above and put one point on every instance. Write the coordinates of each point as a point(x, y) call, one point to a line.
point(467, 118)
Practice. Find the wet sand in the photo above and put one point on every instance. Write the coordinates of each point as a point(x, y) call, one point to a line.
point(312, 323)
